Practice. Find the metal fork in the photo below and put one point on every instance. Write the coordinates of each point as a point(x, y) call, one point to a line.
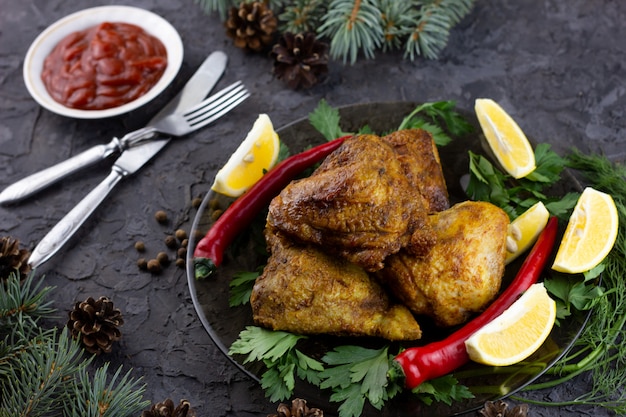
point(177, 124)
point(200, 115)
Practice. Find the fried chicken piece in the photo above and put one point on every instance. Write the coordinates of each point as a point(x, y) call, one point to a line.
point(358, 204)
point(304, 290)
point(419, 157)
point(462, 273)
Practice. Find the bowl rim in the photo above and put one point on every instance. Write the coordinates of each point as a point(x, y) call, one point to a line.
point(83, 19)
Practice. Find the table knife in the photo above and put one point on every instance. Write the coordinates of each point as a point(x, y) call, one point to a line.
point(129, 162)
point(198, 86)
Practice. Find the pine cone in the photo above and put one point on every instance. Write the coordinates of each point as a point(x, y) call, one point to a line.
point(500, 409)
point(96, 323)
point(298, 409)
point(300, 60)
point(13, 259)
point(252, 26)
point(166, 409)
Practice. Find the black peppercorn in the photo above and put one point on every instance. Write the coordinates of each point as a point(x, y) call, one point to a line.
point(170, 242)
point(142, 263)
point(195, 203)
point(163, 258)
point(154, 266)
point(181, 252)
point(180, 263)
point(181, 234)
point(160, 216)
point(140, 246)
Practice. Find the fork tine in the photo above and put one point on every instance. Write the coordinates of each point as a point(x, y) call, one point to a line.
point(216, 98)
point(228, 105)
point(201, 114)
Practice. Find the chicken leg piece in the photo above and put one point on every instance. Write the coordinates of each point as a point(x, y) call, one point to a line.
point(304, 290)
point(358, 204)
point(462, 273)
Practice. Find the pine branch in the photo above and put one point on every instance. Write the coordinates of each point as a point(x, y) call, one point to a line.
point(353, 27)
point(36, 378)
point(430, 32)
point(98, 398)
point(357, 27)
point(303, 16)
point(23, 304)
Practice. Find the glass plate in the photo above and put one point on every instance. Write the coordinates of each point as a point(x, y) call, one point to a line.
point(223, 323)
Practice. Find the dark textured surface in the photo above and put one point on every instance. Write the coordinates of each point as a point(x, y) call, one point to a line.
point(556, 66)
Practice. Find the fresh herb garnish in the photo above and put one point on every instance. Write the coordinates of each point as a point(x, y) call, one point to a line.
point(241, 287)
point(572, 294)
point(488, 183)
point(326, 120)
point(357, 374)
point(442, 112)
point(283, 361)
point(445, 389)
point(600, 350)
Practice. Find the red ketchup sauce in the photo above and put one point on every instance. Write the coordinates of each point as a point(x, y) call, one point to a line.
point(104, 66)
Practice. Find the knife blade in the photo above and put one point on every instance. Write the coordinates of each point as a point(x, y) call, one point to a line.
point(128, 163)
point(194, 91)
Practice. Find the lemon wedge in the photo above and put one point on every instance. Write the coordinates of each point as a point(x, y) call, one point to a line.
point(517, 333)
point(505, 138)
point(525, 229)
point(256, 155)
point(590, 234)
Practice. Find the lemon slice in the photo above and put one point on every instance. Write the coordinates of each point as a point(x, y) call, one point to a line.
point(255, 156)
point(525, 229)
point(590, 233)
point(505, 138)
point(517, 333)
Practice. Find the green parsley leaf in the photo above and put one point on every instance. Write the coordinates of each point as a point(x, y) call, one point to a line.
point(356, 374)
point(439, 111)
point(241, 287)
point(283, 361)
point(444, 389)
point(571, 293)
point(326, 120)
point(261, 344)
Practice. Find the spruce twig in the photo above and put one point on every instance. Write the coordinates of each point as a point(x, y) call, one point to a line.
point(361, 27)
point(43, 371)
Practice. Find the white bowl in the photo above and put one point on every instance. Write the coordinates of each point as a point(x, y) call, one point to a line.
point(47, 40)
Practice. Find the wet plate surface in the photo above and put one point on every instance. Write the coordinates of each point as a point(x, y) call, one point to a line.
point(224, 323)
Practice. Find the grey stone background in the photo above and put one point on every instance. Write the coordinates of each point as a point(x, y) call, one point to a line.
point(556, 66)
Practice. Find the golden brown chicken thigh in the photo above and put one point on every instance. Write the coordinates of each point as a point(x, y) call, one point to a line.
point(306, 291)
point(461, 273)
point(419, 157)
point(358, 204)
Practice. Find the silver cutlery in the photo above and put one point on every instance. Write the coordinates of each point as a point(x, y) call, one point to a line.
point(195, 90)
point(131, 161)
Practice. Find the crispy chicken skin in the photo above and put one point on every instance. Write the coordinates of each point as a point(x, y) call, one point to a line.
point(358, 204)
point(306, 291)
point(419, 157)
point(462, 273)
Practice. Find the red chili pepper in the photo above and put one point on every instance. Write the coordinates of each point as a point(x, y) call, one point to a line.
point(423, 363)
point(209, 252)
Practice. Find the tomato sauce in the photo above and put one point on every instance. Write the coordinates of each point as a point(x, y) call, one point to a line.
point(104, 66)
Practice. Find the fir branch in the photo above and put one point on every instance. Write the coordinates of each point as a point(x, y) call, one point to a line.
point(353, 27)
point(98, 398)
point(36, 378)
point(22, 304)
point(303, 16)
point(398, 18)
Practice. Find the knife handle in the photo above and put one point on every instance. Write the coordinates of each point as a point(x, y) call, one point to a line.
point(72, 221)
point(42, 179)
